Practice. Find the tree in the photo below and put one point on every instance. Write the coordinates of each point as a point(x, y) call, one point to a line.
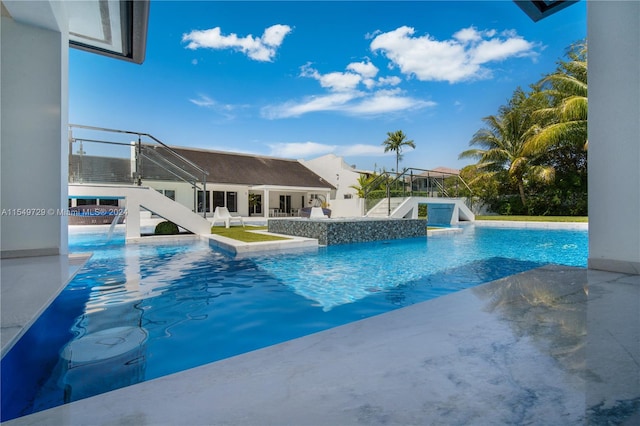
point(502, 143)
point(363, 182)
point(395, 142)
point(567, 114)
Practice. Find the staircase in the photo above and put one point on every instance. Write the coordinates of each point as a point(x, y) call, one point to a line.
point(382, 208)
point(148, 198)
point(440, 211)
point(113, 167)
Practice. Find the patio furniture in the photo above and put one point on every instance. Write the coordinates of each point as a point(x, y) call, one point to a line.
point(221, 214)
point(317, 212)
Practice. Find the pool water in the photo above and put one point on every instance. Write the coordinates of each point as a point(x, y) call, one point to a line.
point(138, 312)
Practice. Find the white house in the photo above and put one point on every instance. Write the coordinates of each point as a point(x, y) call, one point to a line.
point(333, 169)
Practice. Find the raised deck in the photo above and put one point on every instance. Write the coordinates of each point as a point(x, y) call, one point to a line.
point(345, 231)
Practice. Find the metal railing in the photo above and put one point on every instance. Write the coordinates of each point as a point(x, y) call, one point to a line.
point(94, 158)
point(414, 182)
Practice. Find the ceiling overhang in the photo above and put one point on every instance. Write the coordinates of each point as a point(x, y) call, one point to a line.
point(540, 9)
point(114, 28)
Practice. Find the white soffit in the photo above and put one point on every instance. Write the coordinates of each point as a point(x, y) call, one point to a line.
point(114, 28)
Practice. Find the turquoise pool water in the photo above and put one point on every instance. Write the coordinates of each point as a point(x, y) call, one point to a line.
point(137, 312)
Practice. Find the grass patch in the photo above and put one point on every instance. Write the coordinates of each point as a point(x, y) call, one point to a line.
point(243, 234)
point(536, 218)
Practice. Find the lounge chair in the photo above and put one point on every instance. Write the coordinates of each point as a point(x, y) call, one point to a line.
point(316, 212)
point(221, 214)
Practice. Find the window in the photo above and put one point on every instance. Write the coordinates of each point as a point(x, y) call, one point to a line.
point(218, 199)
point(204, 201)
point(347, 196)
point(285, 203)
point(169, 193)
point(232, 201)
point(255, 204)
point(86, 201)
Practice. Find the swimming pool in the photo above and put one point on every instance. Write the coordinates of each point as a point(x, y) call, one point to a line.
point(138, 312)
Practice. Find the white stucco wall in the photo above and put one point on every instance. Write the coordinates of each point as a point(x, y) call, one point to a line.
point(184, 193)
point(33, 152)
point(614, 135)
point(334, 170)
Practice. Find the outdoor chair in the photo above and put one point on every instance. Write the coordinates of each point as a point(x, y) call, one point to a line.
point(316, 212)
point(221, 214)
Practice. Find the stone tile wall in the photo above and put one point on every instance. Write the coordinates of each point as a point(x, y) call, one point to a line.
point(345, 231)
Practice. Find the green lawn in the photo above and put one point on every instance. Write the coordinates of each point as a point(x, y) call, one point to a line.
point(242, 234)
point(537, 218)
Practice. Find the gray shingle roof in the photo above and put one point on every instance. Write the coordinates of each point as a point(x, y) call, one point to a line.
point(232, 168)
point(223, 167)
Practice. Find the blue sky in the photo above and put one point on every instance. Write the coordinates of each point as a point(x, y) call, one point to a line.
point(302, 79)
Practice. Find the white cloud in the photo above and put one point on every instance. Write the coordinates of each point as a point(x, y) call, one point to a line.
point(387, 101)
point(352, 103)
point(361, 150)
point(389, 81)
point(275, 34)
point(300, 149)
point(334, 81)
point(365, 69)
point(307, 150)
point(330, 102)
point(467, 35)
point(499, 50)
point(347, 96)
point(203, 101)
point(257, 48)
point(461, 58)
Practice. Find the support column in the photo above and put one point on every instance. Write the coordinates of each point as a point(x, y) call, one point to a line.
point(614, 135)
point(265, 204)
point(34, 159)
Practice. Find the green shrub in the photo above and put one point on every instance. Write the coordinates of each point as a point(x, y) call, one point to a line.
point(166, 228)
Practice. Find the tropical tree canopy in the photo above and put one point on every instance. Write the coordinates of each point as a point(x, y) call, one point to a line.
point(536, 144)
point(502, 143)
point(395, 142)
point(566, 116)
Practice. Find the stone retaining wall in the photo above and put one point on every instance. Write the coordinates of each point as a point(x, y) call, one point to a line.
point(345, 231)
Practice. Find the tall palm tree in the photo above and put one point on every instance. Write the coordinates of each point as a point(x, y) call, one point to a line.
point(502, 143)
point(567, 115)
point(394, 142)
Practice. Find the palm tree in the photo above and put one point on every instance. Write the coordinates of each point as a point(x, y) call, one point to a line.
point(567, 115)
point(363, 182)
point(394, 142)
point(503, 143)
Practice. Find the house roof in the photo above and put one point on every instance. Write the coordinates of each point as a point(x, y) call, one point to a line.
point(232, 168)
point(441, 172)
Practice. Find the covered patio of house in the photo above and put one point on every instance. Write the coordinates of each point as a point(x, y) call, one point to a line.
point(283, 201)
